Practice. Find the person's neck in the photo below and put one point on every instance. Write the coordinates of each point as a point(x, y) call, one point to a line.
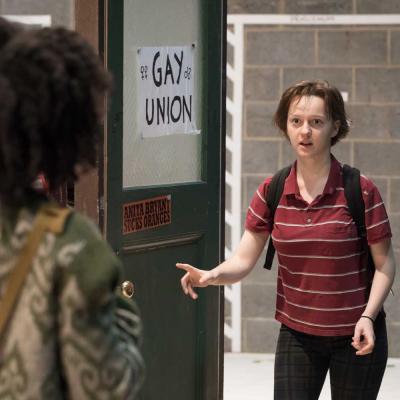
point(312, 175)
point(315, 169)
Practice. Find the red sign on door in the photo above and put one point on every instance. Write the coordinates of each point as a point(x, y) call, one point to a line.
point(146, 214)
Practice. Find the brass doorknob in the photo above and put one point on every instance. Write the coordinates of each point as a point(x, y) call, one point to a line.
point(128, 289)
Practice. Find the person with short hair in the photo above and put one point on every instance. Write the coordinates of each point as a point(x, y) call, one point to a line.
point(70, 334)
point(329, 304)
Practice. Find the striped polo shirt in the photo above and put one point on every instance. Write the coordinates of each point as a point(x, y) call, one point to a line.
point(323, 282)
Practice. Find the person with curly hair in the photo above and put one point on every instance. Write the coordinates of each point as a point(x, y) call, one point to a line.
point(8, 30)
point(330, 297)
point(70, 334)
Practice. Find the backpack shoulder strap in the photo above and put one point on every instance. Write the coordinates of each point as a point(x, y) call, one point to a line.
point(50, 218)
point(353, 194)
point(274, 194)
point(355, 202)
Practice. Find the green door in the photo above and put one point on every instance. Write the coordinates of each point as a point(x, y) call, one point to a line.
point(163, 179)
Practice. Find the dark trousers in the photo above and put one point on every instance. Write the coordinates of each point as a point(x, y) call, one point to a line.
point(302, 362)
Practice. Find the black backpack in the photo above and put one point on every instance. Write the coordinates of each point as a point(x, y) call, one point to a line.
point(352, 192)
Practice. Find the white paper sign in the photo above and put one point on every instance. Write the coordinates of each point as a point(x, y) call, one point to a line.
point(166, 103)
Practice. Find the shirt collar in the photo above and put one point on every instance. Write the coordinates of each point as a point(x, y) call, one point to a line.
point(334, 179)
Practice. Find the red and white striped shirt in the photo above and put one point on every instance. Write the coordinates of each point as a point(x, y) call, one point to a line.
point(323, 282)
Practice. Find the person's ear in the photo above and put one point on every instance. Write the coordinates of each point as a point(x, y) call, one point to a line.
point(336, 127)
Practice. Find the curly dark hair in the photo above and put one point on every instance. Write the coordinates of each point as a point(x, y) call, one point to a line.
point(334, 105)
point(52, 84)
point(8, 30)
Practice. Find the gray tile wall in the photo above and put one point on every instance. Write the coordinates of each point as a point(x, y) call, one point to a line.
point(363, 61)
point(61, 11)
point(313, 6)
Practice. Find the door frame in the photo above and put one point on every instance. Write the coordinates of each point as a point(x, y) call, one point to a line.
point(88, 191)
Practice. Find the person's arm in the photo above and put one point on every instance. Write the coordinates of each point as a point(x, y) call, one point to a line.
point(230, 271)
point(385, 267)
point(382, 254)
point(99, 332)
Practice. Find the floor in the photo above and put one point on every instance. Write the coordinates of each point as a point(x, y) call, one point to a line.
point(250, 377)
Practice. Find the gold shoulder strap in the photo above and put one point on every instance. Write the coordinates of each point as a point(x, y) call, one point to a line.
point(50, 218)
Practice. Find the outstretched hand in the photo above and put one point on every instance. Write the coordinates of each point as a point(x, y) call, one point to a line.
point(195, 277)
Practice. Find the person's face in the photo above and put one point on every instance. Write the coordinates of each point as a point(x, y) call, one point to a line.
point(308, 127)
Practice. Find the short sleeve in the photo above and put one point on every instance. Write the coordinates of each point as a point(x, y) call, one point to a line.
point(258, 214)
point(376, 218)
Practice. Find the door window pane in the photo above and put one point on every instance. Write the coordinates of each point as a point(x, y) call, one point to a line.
point(174, 158)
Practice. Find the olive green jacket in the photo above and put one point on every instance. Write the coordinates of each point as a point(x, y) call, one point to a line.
point(70, 335)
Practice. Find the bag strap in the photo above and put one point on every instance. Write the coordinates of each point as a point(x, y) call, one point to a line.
point(274, 194)
point(353, 194)
point(50, 218)
point(355, 202)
